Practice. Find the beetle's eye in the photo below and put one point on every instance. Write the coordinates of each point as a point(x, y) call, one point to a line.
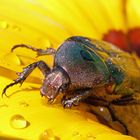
point(86, 55)
point(64, 86)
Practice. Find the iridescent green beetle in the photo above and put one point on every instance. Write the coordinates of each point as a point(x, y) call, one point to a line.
point(94, 72)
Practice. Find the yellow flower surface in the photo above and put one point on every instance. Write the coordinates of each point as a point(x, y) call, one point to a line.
point(47, 23)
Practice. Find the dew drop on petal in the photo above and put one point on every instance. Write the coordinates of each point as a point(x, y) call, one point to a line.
point(16, 28)
point(3, 25)
point(48, 135)
point(77, 136)
point(23, 104)
point(18, 122)
point(90, 137)
point(75, 133)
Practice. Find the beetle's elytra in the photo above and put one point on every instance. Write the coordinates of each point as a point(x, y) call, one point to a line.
point(93, 71)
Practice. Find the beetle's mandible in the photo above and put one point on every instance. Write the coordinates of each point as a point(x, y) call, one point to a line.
point(93, 71)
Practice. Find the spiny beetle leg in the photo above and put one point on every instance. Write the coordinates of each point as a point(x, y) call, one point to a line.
point(128, 99)
point(69, 102)
point(48, 51)
point(115, 118)
point(124, 100)
point(74, 100)
point(26, 71)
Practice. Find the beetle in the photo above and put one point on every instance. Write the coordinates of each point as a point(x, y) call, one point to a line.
point(94, 72)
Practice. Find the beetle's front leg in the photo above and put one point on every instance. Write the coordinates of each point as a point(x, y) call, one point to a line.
point(48, 51)
point(26, 71)
point(76, 97)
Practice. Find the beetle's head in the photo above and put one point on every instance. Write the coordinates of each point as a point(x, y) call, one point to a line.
point(56, 80)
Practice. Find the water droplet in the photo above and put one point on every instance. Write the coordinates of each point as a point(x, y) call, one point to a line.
point(16, 28)
point(17, 121)
point(77, 136)
point(3, 25)
point(101, 109)
point(76, 133)
point(90, 137)
point(23, 104)
point(48, 135)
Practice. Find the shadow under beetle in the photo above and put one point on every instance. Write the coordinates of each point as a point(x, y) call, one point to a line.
point(94, 72)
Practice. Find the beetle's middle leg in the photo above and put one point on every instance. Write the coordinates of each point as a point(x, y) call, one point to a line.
point(48, 51)
point(26, 71)
point(77, 96)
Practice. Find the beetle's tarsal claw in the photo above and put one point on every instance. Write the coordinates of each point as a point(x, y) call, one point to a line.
point(5, 89)
point(21, 83)
point(67, 103)
point(41, 94)
point(51, 100)
point(37, 56)
point(18, 73)
point(3, 93)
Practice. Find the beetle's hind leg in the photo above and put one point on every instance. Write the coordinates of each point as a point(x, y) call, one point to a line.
point(48, 51)
point(26, 71)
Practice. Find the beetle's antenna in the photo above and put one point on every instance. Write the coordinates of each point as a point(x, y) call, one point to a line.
point(23, 46)
point(48, 51)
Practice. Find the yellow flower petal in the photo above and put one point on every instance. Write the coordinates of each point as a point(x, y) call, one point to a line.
point(49, 19)
point(133, 13)
point(95, 13)
point(66, 124)
point(42, 24)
